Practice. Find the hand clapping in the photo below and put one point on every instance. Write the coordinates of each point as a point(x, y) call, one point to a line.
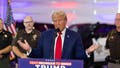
point(24, 45)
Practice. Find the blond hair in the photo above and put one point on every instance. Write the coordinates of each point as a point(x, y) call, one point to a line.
point(59, 13)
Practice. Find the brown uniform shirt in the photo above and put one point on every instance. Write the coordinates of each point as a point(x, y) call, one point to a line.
point(5, 39)
point(31, 38)
point(113, 43)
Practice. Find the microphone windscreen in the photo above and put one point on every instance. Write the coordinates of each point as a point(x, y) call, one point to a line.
point(58, 30)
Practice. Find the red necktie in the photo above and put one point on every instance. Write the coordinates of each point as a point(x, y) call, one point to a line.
point(58, 50)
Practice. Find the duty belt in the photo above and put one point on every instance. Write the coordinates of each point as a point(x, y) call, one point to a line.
point(116, 61)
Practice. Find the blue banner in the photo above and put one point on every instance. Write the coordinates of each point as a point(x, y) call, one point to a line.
point(48, 63)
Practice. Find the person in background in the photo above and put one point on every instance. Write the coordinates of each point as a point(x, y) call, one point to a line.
point(28, 33)
point(58, 43)
point(5, 46)
point(113, 44)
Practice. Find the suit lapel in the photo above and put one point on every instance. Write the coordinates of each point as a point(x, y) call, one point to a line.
point(66, 43)
point(52, 44)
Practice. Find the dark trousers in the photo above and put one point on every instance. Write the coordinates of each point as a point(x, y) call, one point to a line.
point(113, 65)
point(5, 62)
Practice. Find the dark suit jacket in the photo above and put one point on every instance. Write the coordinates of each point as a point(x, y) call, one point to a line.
point(72, 46)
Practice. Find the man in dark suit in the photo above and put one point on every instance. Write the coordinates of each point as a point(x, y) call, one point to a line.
point(71, 45)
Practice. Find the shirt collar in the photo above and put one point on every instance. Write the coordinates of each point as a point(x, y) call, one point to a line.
point(63, 32)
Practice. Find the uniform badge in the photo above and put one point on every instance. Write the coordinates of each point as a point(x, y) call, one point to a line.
point(34, 36)
point(111, 37)
point(5, 36)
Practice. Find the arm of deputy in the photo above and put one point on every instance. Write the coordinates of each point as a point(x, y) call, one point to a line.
point(5, 50)
point(18, 53)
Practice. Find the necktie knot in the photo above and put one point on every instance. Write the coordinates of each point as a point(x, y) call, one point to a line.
point(59, 33)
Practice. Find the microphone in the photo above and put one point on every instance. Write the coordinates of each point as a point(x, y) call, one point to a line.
point(57, 30)
point(55, 33)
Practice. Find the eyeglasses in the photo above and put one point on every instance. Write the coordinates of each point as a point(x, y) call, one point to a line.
point(61, 20)
point(28, 22)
